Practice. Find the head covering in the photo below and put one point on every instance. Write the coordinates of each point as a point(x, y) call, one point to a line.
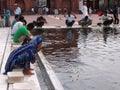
point(8, 14)
point(36, 40)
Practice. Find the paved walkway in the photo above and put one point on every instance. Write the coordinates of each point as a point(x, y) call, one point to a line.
point(3, 41)
point(58, 20)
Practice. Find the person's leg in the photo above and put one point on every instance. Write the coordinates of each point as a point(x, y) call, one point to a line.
point(27, 72)
point(117, 21)
point(67, 23)
point(71, 23)
point(110, 21)
point(105, 23)
point(21, 39)
point(27, 69)
point(24, 39)
point(114, 21)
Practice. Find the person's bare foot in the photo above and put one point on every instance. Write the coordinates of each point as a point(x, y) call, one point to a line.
point(27, 72)
point(31, 69)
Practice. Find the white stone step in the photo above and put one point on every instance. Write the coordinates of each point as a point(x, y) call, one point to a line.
point(28, 85)
point(3, 82)
point(22, 86)
point(33, 78)
point(15, 77)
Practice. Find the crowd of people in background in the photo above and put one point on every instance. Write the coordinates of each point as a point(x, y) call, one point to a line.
point(86, 14)
point(21, 31)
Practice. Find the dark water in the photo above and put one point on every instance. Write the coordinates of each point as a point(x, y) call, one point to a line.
point(84, 59)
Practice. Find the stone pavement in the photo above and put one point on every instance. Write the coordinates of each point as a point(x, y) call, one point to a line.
point(3, 41)
point(58, 20)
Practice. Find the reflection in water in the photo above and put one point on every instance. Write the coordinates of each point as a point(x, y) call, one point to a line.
point(106, 32)
point(59, 39)
point(69, 37)
point(84, 34)
point(94, 55)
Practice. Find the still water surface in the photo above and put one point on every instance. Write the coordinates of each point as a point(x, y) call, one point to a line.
point(84, 59)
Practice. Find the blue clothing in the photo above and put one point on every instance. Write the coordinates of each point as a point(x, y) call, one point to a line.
point(21, 57)
point(8, 14)
point(7, 18)
point(35, 41)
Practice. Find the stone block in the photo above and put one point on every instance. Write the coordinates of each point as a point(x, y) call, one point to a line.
point(3, 82)
point(22, 86)
point(15, 77)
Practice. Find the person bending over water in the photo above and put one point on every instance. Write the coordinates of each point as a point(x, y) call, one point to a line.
point(21, 57)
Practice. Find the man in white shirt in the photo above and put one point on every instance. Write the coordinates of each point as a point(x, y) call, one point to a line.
point(85, 21)
point(84, 10)
point(106, 19)
point(17, 11)
point(17, 25)
point(70, 19)
point(46, 10)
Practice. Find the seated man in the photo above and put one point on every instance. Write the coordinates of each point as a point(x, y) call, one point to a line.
point(23, 33)
point(40, 21)
point(16, 19)
point(106, 19)
point(70, 19)
point(85, 21)
point(17, 25)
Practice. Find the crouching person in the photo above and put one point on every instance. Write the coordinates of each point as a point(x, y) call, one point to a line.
point(106, 19)
point(86, 21)
point(21, 57)
point(23, 33)
point(70, 19)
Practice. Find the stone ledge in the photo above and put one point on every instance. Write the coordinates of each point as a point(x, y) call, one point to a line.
point(15, 76)
point(26, 85)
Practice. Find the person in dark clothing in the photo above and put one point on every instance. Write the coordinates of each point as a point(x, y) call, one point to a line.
point(70, 19)
point(40, 21)
point(106, 19)
point(115, 14)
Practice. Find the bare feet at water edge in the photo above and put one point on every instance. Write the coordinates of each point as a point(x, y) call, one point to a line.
point(27, 72)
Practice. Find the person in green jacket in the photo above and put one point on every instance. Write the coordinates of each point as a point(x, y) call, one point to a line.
point(23, 33)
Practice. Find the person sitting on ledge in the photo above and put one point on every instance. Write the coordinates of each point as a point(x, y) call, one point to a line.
point(106, 19)
point(40, 21)
point(21, 57)
point(70, 19)
point(85, 21)
point(23, 33)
